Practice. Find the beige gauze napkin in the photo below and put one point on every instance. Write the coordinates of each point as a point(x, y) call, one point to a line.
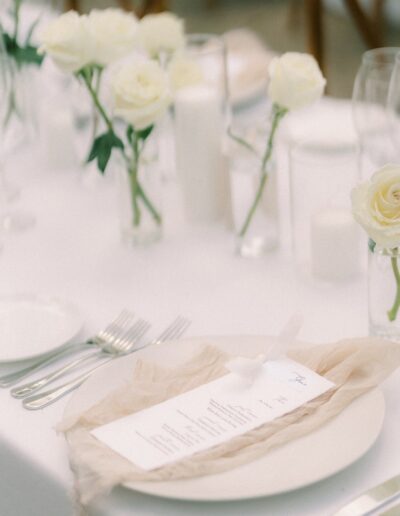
point(354, 366)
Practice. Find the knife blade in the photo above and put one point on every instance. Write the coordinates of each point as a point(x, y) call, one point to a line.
point(393, 511)
point(372, 499)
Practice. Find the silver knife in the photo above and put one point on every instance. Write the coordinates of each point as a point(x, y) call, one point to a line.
point(372, 499)
point(393, 511)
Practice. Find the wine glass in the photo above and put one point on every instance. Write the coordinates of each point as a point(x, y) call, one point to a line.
point(370, 114)
point(10, 220)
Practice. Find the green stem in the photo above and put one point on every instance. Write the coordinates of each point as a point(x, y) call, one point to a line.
point(17, 7)
point(137, 190)
point(278, 113)
point(155, 214)
point(87, 79)
point(133, 177)
point(241, 141)
point(392, 313)
point(97, 83)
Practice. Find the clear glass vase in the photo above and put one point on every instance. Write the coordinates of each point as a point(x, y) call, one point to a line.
point(384, 292)
point(254, 196)
point(140, 197)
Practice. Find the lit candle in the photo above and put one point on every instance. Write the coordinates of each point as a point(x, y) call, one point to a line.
point(198, 141)
point(334, 244)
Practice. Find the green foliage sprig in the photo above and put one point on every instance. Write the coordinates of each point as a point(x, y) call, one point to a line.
point(22, 53)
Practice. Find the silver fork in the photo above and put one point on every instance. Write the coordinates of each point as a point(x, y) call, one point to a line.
point(175, 330)
point(107, 346)
point(121, 321)
point(120, 347)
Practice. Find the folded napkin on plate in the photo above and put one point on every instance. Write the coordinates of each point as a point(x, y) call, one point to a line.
point(354, 365)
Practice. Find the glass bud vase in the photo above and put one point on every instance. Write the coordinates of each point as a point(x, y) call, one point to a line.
point(139, 196)
point(384, 292)
point(254, 198)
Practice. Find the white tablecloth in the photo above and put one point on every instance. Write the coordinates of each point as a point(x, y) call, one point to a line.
point(74, 252)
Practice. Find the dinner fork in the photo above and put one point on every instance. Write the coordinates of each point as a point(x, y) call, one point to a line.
point(107, 346)
point(103, 336)
point(175, 330)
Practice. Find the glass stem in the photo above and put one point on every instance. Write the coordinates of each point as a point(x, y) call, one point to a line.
point(392, 313)
point(278, 113)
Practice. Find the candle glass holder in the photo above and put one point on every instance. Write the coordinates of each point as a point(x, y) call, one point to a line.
point(325, 237)
point(201, 111)
point(255, 211)
point(139, 195)
point(384, 292)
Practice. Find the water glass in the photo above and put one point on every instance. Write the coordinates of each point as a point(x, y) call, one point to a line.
point(370, 114)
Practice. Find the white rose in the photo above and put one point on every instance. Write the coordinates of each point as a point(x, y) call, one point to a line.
point(376, 206)
point(141, 93)
point(67, 42)
point(112, 32)
point(162, 32)
point(295, 80)
point(184, 72)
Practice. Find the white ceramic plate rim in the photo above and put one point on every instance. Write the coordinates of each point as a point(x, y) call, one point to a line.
point(356, 428)
point(70, 310)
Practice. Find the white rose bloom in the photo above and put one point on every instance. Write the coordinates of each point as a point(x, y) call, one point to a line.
point(295, 80)
point(141, 93)
point(162, 32)
point(113, 34)
point(376, 206)
point(184, 72)
point(67, 42)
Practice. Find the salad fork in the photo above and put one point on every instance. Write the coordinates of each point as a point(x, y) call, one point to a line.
point(175, 330)
point(103, 336)
point(107, 346)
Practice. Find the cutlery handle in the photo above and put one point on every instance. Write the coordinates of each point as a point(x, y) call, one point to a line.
point(12, 378)
point(29, 388)
point(46, 398)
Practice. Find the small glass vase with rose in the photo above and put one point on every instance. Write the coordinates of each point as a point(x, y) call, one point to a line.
point(140, 97)
point(376, 207)
point(295, 82)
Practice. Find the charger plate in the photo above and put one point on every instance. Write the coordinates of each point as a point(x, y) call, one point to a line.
point(296, 464)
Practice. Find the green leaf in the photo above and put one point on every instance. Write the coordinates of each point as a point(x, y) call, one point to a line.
point(22, 55)
point(28, 55)
point(371, 245)
point(9, 43)
point(102, 148)
point(145, 133)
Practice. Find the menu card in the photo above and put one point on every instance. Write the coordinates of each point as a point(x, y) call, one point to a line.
point(211, 414)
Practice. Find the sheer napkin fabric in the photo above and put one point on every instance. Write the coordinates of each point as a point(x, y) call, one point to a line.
point(355, 366)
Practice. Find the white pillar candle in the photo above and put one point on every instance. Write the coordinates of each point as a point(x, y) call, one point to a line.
point(198, 141)
point(334, 245)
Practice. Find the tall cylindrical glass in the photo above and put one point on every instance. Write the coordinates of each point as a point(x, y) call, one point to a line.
point(199, 79)
point(370, 96)
point(393, 105)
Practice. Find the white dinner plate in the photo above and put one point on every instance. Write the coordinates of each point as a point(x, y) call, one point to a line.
point(296, 464)
point(31, 325)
